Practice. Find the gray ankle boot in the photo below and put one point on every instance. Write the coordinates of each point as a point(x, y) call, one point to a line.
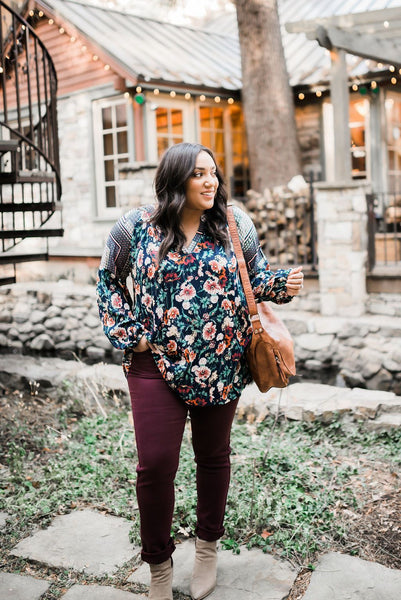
point(161, 583)
point(204, 574)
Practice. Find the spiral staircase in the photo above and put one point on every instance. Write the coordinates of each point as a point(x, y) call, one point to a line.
point(30, 187)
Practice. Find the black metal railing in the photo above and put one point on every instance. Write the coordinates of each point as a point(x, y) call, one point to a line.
point(30, 185)
point(384, 229)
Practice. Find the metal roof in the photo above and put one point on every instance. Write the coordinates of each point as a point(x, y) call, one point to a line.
point(158, 51)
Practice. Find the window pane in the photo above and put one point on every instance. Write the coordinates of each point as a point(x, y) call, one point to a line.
point(205, 114)
point(206, 138)
point(121, 115)
point(219, 142)
point(176, 122)
point(162, 145)
point(218, 118)
point(178, 140)
point(161, 120)
point(109, 170)
point(108, 144)
point(122, 142)
point(106, 116)
point(110, 196)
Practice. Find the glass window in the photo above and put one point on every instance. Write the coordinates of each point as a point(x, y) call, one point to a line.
point(111, 129)
point(393, 121)
point(212, 132)
point(169, 128)
point(358, 111)
point(240, 180)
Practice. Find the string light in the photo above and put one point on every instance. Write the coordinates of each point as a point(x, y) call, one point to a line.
point(230, 101)
point(301, 96)
point(156, 92)
point(31, 13)
point(126, 94)
point(138, 89)
point(386, 24)
point(83, 49)
point(318, 93)
point(355, 87)
point(187, 96)
point(399, 71)
point(1, 69)
point(394, 80)
point(106, 67)
point(95, 57)
point(391, 68)
point(173, 94)
point(72, 39)
point(373, 85)
point(51, 21)
point(217, 99)
point(61, 30)
point(379, 65)
point(202, 97)
point(41, 13)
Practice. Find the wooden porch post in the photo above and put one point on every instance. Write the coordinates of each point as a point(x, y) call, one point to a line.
point(340, 101)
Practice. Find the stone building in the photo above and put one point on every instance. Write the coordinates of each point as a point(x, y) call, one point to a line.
point(129, 86)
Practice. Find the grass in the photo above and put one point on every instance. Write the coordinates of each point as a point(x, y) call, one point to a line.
point(290, 480)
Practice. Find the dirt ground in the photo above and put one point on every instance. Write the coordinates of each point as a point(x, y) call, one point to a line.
point(374, 534)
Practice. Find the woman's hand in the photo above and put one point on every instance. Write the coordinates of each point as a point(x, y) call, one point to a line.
point(295, 281)
point(142, 345)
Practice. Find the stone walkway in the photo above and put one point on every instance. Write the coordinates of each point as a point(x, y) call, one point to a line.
point(90, 542)
point(96, 544)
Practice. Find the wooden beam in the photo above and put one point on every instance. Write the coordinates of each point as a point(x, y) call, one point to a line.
point(350, 20)
point(366, 46)
point(340, 100)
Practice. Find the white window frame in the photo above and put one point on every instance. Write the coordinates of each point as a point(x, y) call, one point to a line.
point(97, 107)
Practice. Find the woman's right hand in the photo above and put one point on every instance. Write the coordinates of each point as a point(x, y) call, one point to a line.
point(142, 346)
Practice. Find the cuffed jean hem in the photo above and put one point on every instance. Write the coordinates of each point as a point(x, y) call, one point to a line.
point(156, 558)
point(209, 536)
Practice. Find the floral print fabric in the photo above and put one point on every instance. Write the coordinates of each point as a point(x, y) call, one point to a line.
point(191, 307)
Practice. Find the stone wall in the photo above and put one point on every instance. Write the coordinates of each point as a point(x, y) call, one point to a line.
point(61, 319)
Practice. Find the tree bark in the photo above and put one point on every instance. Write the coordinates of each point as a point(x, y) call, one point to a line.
point(267, 98)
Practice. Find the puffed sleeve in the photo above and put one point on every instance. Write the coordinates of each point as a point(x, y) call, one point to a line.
point(266, 284)
point(113, 298)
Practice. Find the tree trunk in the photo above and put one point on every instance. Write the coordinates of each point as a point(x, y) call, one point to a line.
point(267, 98)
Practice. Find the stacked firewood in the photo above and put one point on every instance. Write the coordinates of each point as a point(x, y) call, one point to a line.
point(282, 218)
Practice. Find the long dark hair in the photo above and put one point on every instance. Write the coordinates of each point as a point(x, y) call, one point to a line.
point(176, 167)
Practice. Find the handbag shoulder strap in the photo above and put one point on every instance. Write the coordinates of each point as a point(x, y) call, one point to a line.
point(246, 284)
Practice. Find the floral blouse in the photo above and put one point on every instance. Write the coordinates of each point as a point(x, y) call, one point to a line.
point(191, 307)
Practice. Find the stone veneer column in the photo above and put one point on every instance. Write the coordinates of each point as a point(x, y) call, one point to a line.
point(342, 247)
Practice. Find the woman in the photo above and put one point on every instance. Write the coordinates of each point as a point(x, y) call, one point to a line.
point(184, 338)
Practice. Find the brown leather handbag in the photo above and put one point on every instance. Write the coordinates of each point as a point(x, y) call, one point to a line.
point(270, 354)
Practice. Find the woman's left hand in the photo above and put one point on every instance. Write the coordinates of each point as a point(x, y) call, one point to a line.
point(295, 281)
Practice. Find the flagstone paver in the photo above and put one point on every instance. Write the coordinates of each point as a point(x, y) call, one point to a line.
point(21, 587)
point(3, 519)
point(250, 575)
point(84, 540)
point(98, 592)
point(342, 577)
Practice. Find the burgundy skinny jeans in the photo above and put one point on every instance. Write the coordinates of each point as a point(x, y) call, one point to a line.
point(159, 421)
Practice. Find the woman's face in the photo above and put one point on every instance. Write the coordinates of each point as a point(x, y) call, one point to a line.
point(201, 187)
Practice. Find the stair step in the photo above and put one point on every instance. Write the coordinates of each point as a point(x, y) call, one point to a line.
point(12, 259)
point(28, 207)
point(7, 280)
point(8, 146)
point(27, 177)
point(29, 233)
